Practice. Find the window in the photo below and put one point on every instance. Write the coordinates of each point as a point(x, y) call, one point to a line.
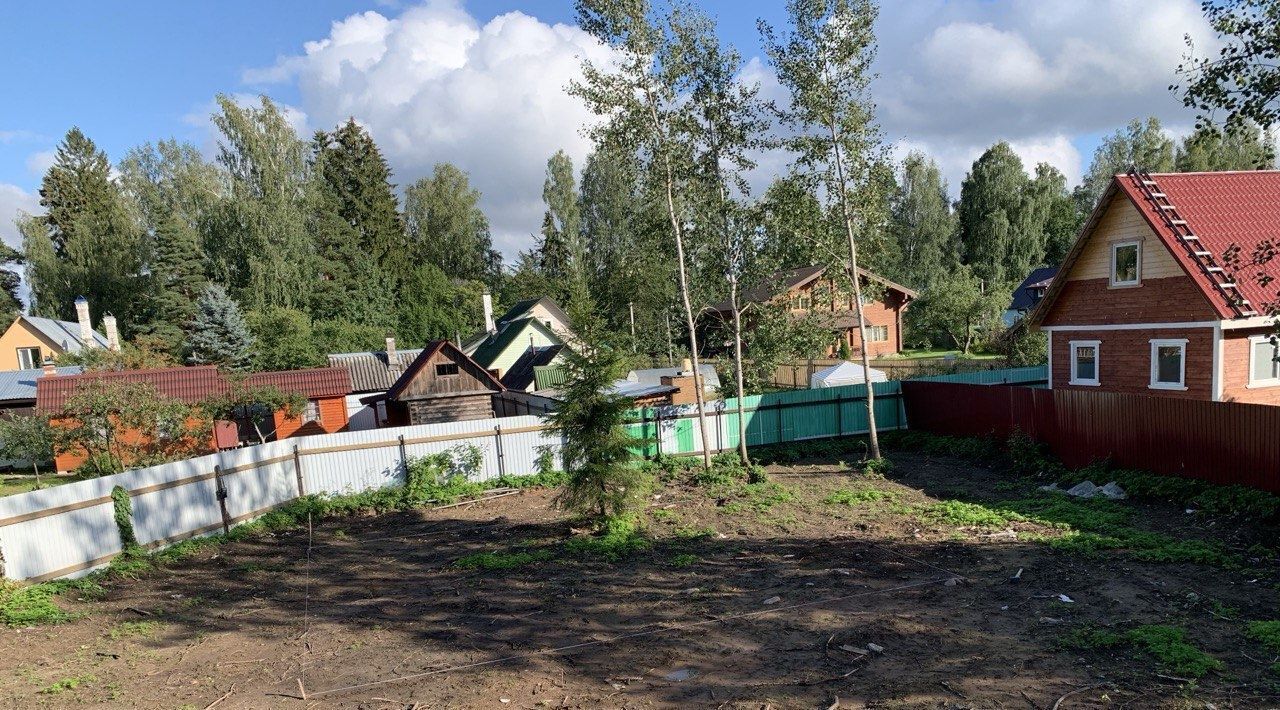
point(877, 333)
point(28, 358)
point(445, 369)
point(1084, 362)
point(1264, 361)
point(311, 413)
point(1168, 364)
point(1126, 263)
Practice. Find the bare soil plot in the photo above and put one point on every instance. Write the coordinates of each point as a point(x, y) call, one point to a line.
point(490, 606)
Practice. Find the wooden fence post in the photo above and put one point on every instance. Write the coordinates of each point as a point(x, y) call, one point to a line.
point(221, 492)
point(497, 438)
point(404, 458)
point(657, 426)
point(297, 471)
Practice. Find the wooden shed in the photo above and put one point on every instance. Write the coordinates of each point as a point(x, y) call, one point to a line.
point(441, 385)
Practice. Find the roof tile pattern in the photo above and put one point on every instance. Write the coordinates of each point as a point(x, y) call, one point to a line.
point(1225, 210)
point(193, 384)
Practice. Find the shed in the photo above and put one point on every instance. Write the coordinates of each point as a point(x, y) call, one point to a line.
point(441, 385)
point(844, 373)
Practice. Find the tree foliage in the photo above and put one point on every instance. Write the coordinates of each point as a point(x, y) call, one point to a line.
point(1243, 80)
point(922, 225)
point(219, 334)
point(957, 309)
point(119, 425)
point(447, 228)
point(283, 340)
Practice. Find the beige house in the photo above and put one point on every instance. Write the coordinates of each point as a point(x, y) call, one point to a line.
point(30, 340)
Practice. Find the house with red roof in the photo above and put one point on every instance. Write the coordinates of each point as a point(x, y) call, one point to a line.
point(325, 390)
point(1170, 290)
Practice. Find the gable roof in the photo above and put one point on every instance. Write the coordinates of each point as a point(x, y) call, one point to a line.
point(1223, 209)
point(371, 371)
point(509, 332)
point(193, 384)
point(428, 352)
point(65, 334)
point(521, 374)
point(521, 309)
point(1038, 278)
point(780, 282)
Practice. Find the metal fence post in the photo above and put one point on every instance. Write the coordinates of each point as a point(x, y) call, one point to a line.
point(657, 425)
point(221, 493)
point(497, 438)
point(297, 471)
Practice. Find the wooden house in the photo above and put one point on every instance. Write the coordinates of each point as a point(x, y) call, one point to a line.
point(809, 290)
point(325, 390)
point(1167, 290)
point(536, 324)
point(442, 384)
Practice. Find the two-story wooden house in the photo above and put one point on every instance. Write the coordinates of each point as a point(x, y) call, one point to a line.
point(1167, 290)
point(808, 290)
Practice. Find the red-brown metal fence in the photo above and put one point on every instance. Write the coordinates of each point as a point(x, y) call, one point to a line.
point(1223, 442)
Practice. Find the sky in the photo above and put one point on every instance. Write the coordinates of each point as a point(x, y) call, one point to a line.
point(480, 83)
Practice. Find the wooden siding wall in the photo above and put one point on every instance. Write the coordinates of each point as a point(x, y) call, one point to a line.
point(470, 378)
point(1124, 360)
point(450, 409)
point(884, 311)
point(1222, 442)
point(1123, 222)
point(332, 413)
point(1235, 370)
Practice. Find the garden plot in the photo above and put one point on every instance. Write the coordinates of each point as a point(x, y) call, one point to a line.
point(941, 584)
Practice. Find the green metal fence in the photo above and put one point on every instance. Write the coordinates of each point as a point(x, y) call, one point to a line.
point(794, 415)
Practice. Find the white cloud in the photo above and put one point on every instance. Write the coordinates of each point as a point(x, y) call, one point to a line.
point(958, 75)
point(39, 163)
point(434, 85)
point(14, 201)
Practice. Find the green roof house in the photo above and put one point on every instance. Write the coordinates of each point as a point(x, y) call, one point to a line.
point(532, 333)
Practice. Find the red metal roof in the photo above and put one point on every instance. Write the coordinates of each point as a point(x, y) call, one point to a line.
point(1225, 210)
point(193, 384)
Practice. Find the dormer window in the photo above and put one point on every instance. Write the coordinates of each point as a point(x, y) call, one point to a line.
point(1126, 264)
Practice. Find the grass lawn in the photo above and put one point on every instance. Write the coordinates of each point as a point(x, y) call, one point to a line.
point(23, 481)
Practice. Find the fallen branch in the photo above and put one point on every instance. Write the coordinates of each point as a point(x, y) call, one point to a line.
point(476, 500)
point(224, 697)
point(1077, 691)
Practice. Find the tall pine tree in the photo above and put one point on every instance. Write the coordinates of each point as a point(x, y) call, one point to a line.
point(87, 243)
point(177, 282)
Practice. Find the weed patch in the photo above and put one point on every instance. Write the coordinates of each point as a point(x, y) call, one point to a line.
point(969, 515)
point(684, 560)
point(503, 560)
point(1167, 644)
point(619, 538)
point(859, 497)
point(128, 629)
point(67, 684)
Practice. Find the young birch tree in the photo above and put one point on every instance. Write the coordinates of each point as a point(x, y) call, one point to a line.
point(825, 61)
point(638, 96)
point(727, 123)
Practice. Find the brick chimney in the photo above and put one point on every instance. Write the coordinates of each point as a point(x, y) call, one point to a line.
point(393, 357)
point(113, 332)
point(82, 315)
point(47, 368)
point(487, 300)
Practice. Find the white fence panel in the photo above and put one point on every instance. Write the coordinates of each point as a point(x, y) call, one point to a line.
point(353, 470)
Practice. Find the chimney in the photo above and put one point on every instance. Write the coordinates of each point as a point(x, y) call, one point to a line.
point(82, 315)
point(487, 300)
point(47, 369)
point(686, 367)
point(113, 333)
point(392, 359)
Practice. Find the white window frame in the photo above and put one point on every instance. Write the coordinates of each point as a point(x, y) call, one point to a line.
point(36, 361)
point(1137, 272)
point(311, 412)
point(1156, 344)
point(1254, 341)
point(1097, 362)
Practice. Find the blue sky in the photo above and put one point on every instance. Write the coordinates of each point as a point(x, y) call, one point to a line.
point(480, 83)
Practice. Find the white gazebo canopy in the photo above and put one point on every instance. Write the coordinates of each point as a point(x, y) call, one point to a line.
point(844, 373)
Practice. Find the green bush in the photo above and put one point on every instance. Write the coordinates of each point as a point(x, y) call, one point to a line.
point(123, 513)
point(618, 537)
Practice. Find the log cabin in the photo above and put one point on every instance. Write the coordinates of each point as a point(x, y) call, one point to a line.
point(442, 384)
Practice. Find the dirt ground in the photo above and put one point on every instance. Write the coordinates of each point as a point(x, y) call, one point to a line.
point(378, 615)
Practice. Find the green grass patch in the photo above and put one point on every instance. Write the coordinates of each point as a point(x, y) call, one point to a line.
point(28, 605)
point(1167, 644)
point(1266, 633)
point(503, 560)
point(618, 538)
point(970, 515)
point(129, 629)
point(859, 497)
point(759, 497)
point(684, 560)
point(68, 684)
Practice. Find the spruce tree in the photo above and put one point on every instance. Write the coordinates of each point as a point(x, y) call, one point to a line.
point(219, 334)
point(177, 282)
point(10, 304)
point(86, 244)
